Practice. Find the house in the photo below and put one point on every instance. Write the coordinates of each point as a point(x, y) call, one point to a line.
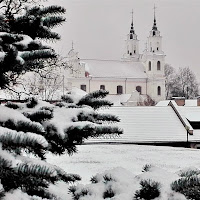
point(135, 71)
point(168, 123)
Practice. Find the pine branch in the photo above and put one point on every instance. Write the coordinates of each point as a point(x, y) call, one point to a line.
point(37, 54)
point(53, 21)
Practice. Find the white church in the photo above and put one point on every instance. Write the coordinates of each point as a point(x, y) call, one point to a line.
point(143, 73)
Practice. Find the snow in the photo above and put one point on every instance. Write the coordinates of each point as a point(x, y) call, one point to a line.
point(115, 69)
point(117, 100)
point(8, 113)
point(124, 163)
point(22, 136)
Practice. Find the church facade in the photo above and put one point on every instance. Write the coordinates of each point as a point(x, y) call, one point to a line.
point(143, 73)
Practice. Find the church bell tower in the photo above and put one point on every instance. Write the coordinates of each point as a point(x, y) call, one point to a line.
point(132, 45)
point(154, 63)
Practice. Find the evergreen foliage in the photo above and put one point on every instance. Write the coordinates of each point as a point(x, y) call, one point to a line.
point(95, 99)
point(20, 52)
point(188, 186)
point(37, 127)
point(67, 99)
point(149, 190)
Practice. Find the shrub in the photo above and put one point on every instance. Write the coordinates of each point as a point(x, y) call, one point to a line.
point(188, 186)
point(149, 190)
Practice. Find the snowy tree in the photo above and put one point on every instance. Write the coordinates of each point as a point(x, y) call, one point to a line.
point(44, 84)
point(20, 49)
point(186, 84)
point(30, 130)
point(182, 83)
point(169, 80)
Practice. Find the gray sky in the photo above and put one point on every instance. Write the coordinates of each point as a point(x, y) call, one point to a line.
point(99, 28)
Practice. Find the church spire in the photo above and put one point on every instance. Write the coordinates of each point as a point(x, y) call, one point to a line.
point(132, 31)
point(154, 28)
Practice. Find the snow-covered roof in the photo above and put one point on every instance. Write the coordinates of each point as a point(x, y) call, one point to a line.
point(115, 69)
point(117, 100)
point(149, 124)
point(188, 102)
point(191, 113)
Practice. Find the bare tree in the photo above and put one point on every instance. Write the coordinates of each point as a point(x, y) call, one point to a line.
point(169, 80)
point(11, 7)
point(182, 84)
point(46, 83)
point(147, 102)
point(186, 82)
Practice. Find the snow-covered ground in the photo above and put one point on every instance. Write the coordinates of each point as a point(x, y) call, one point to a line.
point(92, 159)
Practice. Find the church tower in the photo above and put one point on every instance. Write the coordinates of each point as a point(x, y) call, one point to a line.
point(154, 63)
point(132, 45)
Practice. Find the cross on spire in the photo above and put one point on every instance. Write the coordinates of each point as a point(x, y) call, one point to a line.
point(132, 15)
point(154, 24)
point(72, 44)
point(154, 11)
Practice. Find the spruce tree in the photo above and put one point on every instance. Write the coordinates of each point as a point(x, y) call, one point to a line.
point(37, 127)
point(20, 47)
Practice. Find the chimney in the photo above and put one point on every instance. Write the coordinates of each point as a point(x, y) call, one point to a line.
point(180, 101)
point(198, 101)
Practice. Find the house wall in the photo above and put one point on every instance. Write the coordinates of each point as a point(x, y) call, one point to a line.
point(92, 84)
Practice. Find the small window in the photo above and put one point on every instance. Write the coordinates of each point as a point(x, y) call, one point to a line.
point(134, 52)
point(102, 87)
point(139, 89)
point(159, 90)
point(83, 87)
point(158, 65)
point(149, 65)
point(119, 89)
point(130, 54)
point(157, 49)
point(128, 51)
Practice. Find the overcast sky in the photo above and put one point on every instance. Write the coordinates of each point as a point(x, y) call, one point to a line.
point(99, 28)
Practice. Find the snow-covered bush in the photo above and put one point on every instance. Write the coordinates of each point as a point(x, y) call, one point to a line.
point(189, 184)
point(29, 130)
point(149, 190)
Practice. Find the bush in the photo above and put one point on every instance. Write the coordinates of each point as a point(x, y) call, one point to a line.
point(188, 186)
point(149, 190)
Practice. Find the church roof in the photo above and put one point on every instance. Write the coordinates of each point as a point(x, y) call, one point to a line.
point(114, 69)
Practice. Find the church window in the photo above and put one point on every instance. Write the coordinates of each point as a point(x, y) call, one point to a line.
point(139, 89)
point(149, 65)
point(159, 90)
point(154, 33)
point(158, 65)
point(134, 52)
point(157, 46)
point(83, 87)
point(102, 87)
point(119, 89)
point(130, 54)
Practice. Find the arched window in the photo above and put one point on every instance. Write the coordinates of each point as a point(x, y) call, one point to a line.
point(159, 90)
point(158, 65)
point(149, 65)
point(119, 89)
point(83, 87)
point(102, 87)
point(157, 46)
point(139, 89)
